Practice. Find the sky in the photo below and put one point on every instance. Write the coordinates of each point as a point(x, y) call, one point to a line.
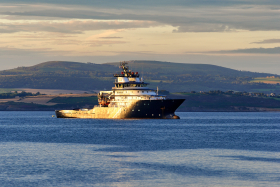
point(239, 34)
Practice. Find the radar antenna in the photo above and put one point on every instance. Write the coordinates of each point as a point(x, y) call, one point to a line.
point(124, 67)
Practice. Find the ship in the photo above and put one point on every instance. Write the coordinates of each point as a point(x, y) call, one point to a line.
point(130, 98)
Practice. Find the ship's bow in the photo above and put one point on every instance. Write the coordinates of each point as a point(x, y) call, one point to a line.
point(170, 108)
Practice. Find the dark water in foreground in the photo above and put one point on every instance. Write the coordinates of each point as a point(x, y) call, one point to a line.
point(201, 149)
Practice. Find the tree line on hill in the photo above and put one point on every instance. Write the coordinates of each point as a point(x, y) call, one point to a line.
point(19, 94)
point(230, 92)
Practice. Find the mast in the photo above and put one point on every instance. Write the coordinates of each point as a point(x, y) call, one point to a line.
point(124, 67)
point(157, 90)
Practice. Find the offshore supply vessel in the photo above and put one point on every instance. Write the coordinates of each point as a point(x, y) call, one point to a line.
point(130, 98)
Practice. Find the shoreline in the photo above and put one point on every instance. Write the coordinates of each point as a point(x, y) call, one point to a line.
point(206, 103)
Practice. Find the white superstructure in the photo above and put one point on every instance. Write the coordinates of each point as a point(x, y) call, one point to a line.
point(128, 88)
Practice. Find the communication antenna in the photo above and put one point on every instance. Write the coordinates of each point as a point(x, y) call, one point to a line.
point(157, 90)
point(123, 66)
point(142, 73)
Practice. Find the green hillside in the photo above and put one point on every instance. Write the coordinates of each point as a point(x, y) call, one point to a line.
point(175, 77)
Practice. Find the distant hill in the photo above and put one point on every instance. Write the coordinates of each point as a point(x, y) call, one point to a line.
point(163, 68)
point(174, 77)
point(59, 67)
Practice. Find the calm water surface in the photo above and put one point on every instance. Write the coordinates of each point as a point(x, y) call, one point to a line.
point(201, 149)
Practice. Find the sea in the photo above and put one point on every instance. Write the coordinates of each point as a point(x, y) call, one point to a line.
point(201, 149)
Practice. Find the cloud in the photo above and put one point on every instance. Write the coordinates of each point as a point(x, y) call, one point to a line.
point(149, 3)
point(204, 27)
point(11, 52)
point(71, 26)
point(268, 41)
point(228, 19)
point(98, 43)
point(275, 50)
point(184, 15)
point(110, 37)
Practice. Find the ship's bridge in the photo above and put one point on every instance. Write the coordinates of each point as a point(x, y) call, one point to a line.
point(130, 85)
point(128, 79)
